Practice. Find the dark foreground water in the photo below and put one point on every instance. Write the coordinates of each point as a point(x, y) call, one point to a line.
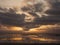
point(29, 38)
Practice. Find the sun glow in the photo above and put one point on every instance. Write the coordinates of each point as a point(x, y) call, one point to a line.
point(14, 28)
point(43, 28)
point(37, 30)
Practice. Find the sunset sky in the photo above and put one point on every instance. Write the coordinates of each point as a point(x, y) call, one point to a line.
point(12, 3)
point(19, 19)
point(47, 6)
point(18, 3)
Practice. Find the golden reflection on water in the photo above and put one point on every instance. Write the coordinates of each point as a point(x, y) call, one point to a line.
point(3, 39)
point(13, 39)
point(16, 39)
point(44, 39)
point(43, 28)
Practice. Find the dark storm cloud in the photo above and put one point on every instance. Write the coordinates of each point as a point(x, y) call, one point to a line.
point(53, 12)
point(32, 8)
point(55, 9)
point(11, 18)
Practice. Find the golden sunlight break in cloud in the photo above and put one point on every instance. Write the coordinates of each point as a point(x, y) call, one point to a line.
point(14, 28)
point(10, 28)
point(45, 28)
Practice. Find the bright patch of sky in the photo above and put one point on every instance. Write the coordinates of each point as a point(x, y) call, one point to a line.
point(18, 3)
point(10, 3)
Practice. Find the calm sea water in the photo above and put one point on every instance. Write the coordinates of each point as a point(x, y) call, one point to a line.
point(19, 38)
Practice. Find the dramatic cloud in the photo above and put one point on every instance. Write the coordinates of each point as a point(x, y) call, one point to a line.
point(55, 8)
point(37, 12)
point(30, 20)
